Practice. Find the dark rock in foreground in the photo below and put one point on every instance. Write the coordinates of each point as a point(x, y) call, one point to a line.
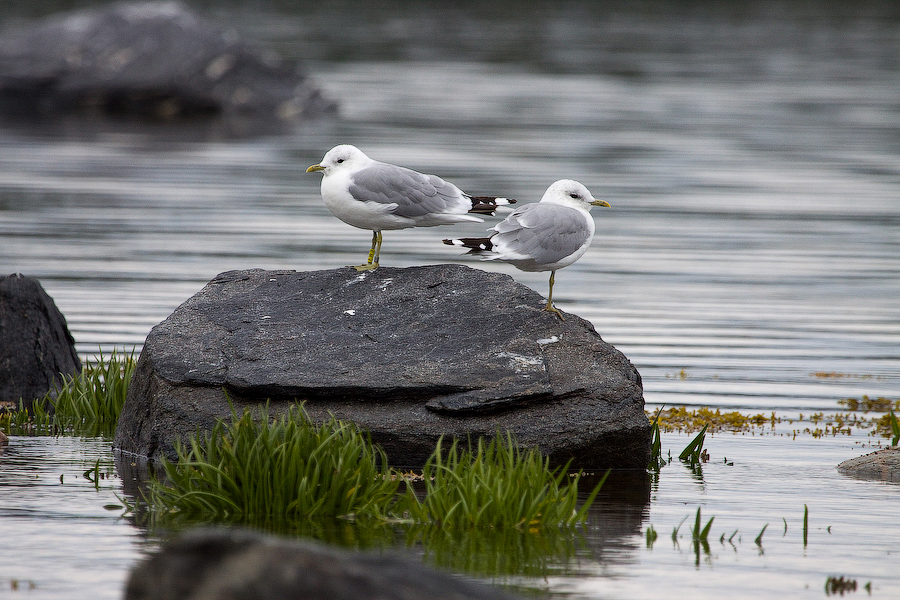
point(153, 59)
point(882, 465)
point(407, 354)
point(209, 564)
point(35, 343)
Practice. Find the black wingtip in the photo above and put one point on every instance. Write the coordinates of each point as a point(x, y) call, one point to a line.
point(474, 245)
point(486, 205)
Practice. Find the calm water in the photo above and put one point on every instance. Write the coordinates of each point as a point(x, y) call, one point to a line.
point(752, 160)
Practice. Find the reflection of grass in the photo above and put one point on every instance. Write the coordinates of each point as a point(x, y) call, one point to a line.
point(492, 552)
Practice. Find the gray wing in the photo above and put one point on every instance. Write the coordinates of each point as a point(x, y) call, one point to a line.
point(415, 194)
point(546, 232)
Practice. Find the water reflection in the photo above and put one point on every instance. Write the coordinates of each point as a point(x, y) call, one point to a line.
point(608, 536)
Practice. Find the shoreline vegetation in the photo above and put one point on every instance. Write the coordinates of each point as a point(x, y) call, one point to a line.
point(272, 472)
point(683, 419)
point(93, 399)
point(486, 507)
point(257, 469)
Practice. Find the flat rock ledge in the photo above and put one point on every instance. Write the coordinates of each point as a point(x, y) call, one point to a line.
point(409, 355)
point(207, 564)
point(881, 465)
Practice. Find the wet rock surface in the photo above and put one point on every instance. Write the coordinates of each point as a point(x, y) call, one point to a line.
point(152, 59)
point(35, 343)
point(207, 564)
point(408, 354)
point(883, 465)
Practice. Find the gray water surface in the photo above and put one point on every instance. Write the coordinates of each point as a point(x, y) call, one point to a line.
point(751, 155)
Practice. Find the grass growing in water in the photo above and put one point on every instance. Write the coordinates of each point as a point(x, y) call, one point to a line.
point(86, 403)
point(805, 524)
point(94, 397)
point(895, 429)
point(273, 471)
point(656, 459)
point(23, 421)
point(692, 451)
point(497, 485)
point(698, 534)
point(758, 540)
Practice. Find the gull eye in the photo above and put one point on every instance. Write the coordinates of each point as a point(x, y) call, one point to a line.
point(573, 195)
point(339, 161)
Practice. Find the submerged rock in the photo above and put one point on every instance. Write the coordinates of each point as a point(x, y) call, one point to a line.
point(408, 354)
point(208, 564)
point(881, 465)
point(154, 59)
point(35, 344)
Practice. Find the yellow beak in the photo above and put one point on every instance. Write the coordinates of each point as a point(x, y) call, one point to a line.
point(594, 203)
point(315, 168)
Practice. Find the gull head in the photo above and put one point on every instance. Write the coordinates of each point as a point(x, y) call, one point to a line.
point(571, 193)
point(339, 158)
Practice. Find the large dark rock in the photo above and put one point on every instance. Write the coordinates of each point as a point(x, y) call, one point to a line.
point(155, 59)
point(408, 354)
point(35, 343)
point(211, 564)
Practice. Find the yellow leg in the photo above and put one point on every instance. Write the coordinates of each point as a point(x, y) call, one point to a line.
point(550, 307)
point(374, 254)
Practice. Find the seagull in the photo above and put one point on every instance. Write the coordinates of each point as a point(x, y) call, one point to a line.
point(373, 195)
point(542, 236)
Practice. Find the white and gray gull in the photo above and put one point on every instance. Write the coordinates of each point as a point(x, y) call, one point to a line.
point(373, 195)
point(542, 236)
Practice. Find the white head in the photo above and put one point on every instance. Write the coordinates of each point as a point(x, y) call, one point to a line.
point(341, 157)
point(571, 193)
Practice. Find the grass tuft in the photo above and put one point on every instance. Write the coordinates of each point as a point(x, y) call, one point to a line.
point(274, 473)
point(496, 485)
point(758, 539)
point(692, 451)
point(698, 534)
point(94, 398)
point(656, 459)
point(271, 472)
point(805, 524)
point(87, 403)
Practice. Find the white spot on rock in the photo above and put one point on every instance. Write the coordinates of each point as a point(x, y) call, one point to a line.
point(520, 362)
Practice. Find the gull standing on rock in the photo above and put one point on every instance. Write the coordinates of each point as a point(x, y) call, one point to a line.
point(373, 195)
point(543, 236)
